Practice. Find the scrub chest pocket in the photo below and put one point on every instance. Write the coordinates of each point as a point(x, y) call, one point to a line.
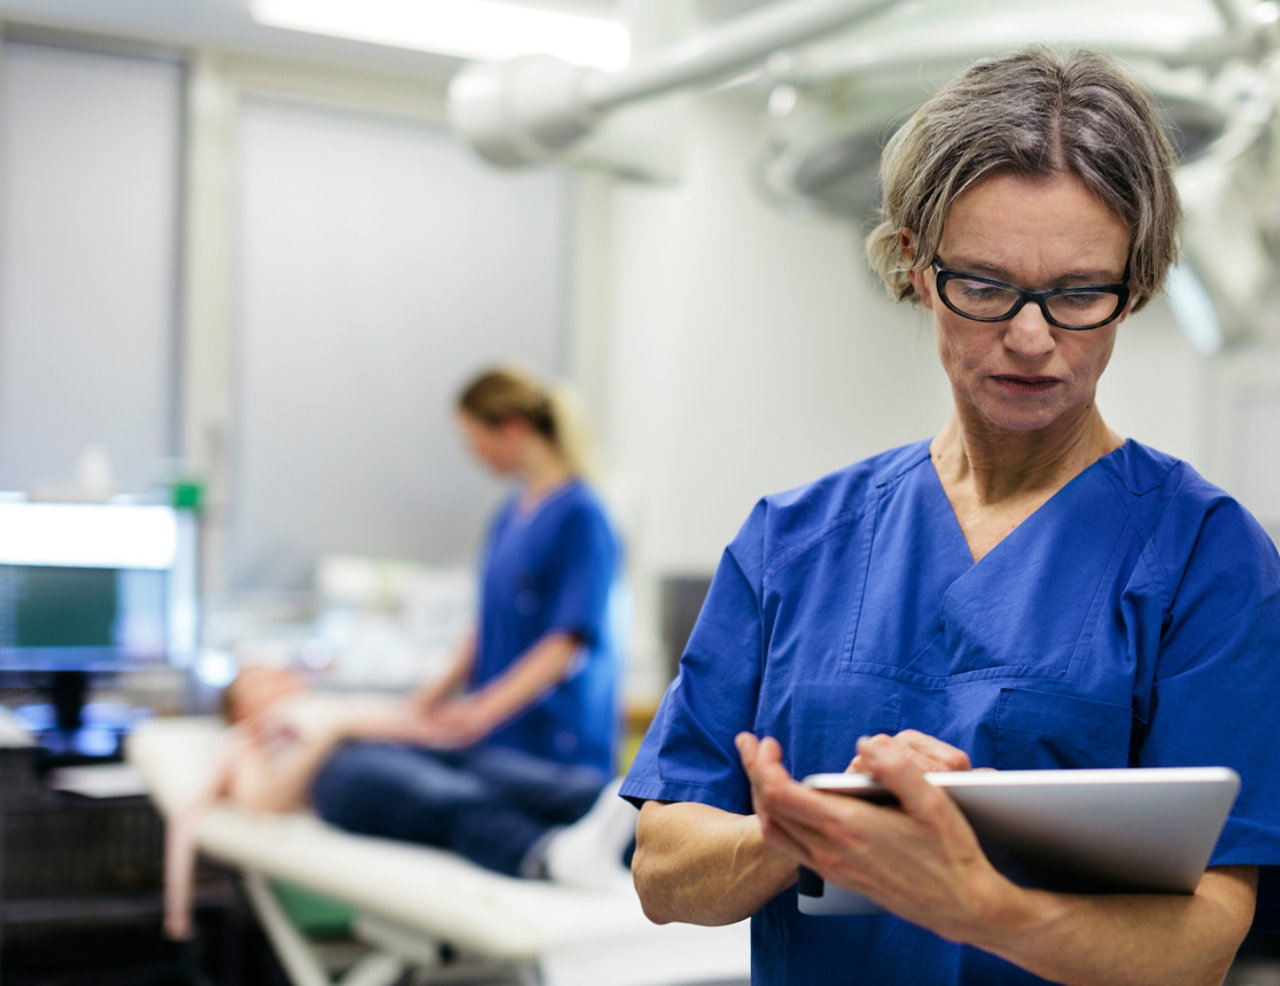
point(997, 724)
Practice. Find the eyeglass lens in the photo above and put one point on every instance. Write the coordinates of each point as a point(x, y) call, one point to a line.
point(989, 301)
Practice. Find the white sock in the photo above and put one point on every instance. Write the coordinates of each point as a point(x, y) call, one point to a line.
point(588, 853)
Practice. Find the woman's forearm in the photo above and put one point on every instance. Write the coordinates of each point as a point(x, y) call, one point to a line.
point(542, 667)
point(1127, 940)
point(453, 680)
point(701, 865)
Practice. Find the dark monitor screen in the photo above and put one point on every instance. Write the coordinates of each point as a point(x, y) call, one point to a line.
point(72, 618)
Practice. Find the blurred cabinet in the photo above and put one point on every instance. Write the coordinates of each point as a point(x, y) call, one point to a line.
point(66, 858)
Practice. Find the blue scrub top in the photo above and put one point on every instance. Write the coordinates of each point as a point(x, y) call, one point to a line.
point(1133, 620)
point(546, 570)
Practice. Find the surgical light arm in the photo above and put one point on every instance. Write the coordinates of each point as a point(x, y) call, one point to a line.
point(531, 108)
point(527, 109)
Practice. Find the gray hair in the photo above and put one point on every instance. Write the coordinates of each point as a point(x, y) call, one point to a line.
point(1036, 114)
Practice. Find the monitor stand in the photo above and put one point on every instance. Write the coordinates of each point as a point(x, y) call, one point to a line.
point(67, 691)
point(75, 738)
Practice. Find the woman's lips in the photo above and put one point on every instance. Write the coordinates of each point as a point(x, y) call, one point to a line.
point(1026, 385)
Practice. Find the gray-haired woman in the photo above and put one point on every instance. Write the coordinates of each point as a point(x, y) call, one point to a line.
point(1027, 589)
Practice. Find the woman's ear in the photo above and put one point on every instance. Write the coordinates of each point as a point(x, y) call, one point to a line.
point(1128, 307)
point(907, 247)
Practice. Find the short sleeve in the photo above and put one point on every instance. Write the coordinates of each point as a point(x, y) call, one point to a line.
point(1217, 685)
point(586, 560)
point(688, 753)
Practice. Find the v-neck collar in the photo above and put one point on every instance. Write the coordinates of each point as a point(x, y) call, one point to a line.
point(526, 512)
point(954, 533)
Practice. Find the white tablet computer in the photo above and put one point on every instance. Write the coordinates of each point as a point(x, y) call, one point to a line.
point(1147, 829)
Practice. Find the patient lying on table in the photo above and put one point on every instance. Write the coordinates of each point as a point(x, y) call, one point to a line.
point(357, 762)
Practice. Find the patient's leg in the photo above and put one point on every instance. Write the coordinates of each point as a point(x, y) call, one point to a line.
point(556, 793)
point(419, 796)
point(590, 827)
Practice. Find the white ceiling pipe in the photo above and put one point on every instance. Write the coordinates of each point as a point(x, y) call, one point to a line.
point(724, 49)
point(527, 109)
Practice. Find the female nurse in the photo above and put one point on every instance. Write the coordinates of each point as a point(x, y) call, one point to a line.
point(539, 672)
point(1026, 589)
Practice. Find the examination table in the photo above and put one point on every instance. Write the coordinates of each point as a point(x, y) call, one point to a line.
point(422, 908)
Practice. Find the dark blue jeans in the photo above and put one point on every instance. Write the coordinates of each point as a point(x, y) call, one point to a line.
point(491, 804)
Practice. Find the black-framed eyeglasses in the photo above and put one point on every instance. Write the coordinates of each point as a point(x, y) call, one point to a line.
point(984, 299)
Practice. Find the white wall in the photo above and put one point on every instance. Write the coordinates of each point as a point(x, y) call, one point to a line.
point(1155, 388)
point(751, 352)
point(349, 263)
point(89, 144)
point(379, 266)
point(768, 354)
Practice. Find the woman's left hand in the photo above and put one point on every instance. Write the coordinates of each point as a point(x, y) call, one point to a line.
point(919, 860)
point(456, 723)
point(925, 751)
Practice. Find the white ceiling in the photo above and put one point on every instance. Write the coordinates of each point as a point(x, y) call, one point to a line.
point(226, 25)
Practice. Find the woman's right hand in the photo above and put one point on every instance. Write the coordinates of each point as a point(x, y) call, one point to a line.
point(430, 697)
point(918, 859)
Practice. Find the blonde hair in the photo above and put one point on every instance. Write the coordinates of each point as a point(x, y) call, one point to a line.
point(553, 410)
point(1036, 114)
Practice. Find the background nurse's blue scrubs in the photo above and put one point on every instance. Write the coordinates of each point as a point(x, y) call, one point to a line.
point(552, 570)
point(539, 674)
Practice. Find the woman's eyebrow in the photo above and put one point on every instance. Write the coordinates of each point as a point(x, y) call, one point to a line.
point(1063, 279)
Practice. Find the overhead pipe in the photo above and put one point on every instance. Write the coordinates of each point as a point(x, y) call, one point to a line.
point(530, 108)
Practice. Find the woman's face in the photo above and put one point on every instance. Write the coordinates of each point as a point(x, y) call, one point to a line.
point(496, 446)
point(1024, 374)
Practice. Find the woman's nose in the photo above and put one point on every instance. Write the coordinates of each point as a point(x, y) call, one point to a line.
point(1028, 334)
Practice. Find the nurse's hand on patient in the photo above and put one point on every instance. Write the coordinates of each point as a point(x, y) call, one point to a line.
point(456, 723)
point(919, 859)
point(431, 696)
point(925, 751)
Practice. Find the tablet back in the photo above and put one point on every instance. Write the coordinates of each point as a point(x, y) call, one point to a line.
point(1148, 829)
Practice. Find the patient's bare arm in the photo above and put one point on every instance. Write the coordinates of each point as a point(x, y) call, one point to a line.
point(268, 766)
point(180, 844)
point(274, 770)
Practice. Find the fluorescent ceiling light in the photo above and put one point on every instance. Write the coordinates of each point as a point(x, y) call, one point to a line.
point(473, 29)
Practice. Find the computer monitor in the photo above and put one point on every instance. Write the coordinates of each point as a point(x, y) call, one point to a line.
point(95, 587)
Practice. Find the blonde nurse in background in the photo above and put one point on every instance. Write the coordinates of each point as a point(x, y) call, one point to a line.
point(539, 674)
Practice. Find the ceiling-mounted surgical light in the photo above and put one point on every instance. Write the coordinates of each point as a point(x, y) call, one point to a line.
point(822, 143)
point(1213, 77)
point(847, 94)
point(472, 29)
